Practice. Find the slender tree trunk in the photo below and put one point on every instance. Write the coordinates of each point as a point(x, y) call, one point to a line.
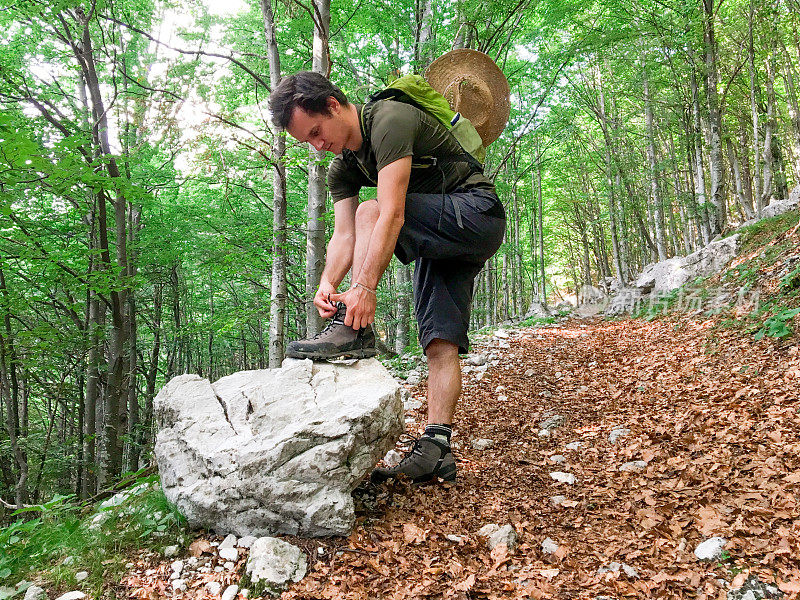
point(699, 172)
point(279, 294)
point(769, 129)
point(718, 209)
point(10, 396)
point(315, 240)
point(655, 194)
point(794, 108)
point(403, 288)
point(118, 380)
point(737, 179)
point(754, 101)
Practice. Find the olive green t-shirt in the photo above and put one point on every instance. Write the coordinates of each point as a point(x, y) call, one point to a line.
point(397, 130)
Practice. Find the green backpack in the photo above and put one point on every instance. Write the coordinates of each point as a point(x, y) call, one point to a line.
point(414, 90)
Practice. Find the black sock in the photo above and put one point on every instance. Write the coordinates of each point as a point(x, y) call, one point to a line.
point(439, 431)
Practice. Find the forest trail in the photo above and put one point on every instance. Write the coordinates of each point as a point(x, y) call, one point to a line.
point(711, 415)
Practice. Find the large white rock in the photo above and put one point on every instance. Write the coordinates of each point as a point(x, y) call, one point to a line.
point(275, 451)
point(672, 273)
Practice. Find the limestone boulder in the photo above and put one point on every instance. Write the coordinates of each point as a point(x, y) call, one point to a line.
point(672, 273)
point(276, 451)
point(778, 206)
point(537, 310)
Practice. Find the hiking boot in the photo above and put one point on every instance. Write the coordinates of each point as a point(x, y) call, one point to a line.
point(335, 341)
point(428, 459)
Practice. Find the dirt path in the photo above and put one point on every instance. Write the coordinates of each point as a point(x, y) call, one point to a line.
point(711, 415)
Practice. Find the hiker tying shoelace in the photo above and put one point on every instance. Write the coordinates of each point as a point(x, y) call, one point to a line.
point(421, 143)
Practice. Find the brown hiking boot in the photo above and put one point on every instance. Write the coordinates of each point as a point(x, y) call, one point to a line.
point(337, 340)
point(429, 459)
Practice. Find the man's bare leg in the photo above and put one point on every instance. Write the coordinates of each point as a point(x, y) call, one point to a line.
point(431, 457)
point(444, 381)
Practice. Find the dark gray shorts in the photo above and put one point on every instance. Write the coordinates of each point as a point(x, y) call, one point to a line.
point(448, 256)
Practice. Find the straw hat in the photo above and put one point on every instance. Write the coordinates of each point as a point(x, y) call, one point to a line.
point(475, 87)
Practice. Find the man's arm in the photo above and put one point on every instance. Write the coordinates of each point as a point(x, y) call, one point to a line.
point(392, 188)
point(339, 256)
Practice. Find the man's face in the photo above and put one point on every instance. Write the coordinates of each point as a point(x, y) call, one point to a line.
point(323, 132)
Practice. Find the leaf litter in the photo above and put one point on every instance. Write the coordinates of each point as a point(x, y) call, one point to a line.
point(711, 413)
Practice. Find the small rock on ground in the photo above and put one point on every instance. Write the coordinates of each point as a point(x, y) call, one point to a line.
point(229, 541)
point(213, 587)
point(274, 563)
point(504, 535)
point(561, 477)
point(392, 458)
point(614, 567)
point(456, 539)
point(634, 465)
point(618, 433)
point(574, 445)
point(81, 576)
point(230, 592)
point(754, 589)
point(72, 596)
point(551, 423)
point(35, 593)
point(229, 553)
point(476, 360)
point(549, 546)
point(711, 549)
point(482, 444)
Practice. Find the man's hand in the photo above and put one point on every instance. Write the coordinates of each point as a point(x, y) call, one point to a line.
point(326, 307)
point(360, 305)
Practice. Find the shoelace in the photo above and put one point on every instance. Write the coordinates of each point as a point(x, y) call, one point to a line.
point(414, 450)
point(327, 328)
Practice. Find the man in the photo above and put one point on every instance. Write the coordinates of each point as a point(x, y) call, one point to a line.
point(447, 218)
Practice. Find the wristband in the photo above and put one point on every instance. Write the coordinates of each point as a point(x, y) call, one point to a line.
point(363, 287)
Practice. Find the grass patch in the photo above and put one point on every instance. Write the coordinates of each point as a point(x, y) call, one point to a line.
point(53, 542)
point(539, 321)
point(766, 230)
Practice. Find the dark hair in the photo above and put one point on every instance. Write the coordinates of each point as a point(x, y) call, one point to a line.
point(310, 91)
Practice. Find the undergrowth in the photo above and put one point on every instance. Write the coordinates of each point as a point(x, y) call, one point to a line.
point(50, 543)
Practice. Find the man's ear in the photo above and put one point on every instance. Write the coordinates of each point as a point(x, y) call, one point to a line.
point(333, 105)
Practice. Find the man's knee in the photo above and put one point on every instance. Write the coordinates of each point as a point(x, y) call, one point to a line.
point(440, 349)
point(367, 212)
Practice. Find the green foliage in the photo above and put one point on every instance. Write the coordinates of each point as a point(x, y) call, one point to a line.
point(539, 321)
point(657, 306)
point(778, 325)
point(55, 540)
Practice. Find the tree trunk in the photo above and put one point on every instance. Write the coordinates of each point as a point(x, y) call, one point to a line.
point(655, 193)
point(754, 102)
point(118, 380)
point(402, 327)
point(699, 172)
point(10, 396)
point(317, 192)
point(277, 313)
point(794, 108)
point(718, 209)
